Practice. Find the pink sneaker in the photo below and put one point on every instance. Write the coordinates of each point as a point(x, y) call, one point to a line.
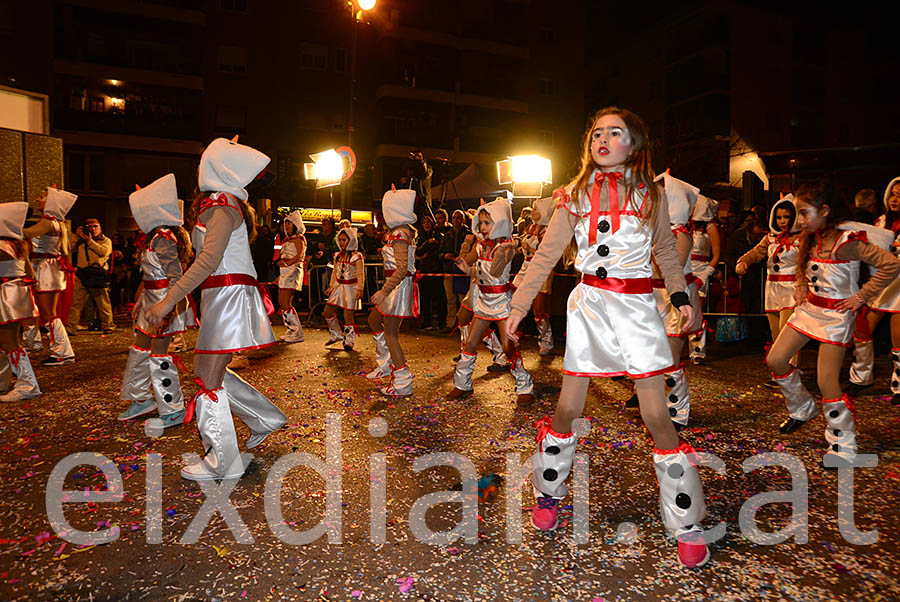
point(543, 517)
point(692, 550)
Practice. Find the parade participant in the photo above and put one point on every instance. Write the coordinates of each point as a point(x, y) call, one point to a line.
point(490, 258)
point(541, 212)
point(705, 256)
point(616, 214)
point(827, 297)
point(681, 198)
point(49, 248)
point(16, 304)
point(780, 247)
point(464, 320)
point(150, 380)
point(862, 372)
point(398, 297)
point(348, 281)
point(290, 278)
point(233, 313)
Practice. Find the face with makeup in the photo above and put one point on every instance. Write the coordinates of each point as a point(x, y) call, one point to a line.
point(783, 219)
point(41, 201)
point(611, 142)
point(343, 240)
point(894, 199)
point(485, 224)
point(810, 217)
point(289, 228)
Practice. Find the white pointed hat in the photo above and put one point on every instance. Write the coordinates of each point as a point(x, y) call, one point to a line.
point(500, 211)
point(351, 233)
point(681, 197)
point(12, 219)
point(156, 205)
point(226, 166)
point(705, 209)
point(59, 202)
point(398, 207)
point(296, 218)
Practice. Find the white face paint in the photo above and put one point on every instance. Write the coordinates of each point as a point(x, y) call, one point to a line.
point(611, 142)
point(810, 218)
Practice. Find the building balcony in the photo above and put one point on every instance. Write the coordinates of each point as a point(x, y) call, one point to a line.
point(148, 124)
point(451, 98)
point(413, 34)
point(182, 11)
point(98, 71)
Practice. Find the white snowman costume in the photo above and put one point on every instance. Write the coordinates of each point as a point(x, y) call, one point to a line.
point(705, 211)
point(291, 277)
point(346, 279)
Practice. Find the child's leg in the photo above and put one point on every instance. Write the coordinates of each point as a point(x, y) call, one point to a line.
point(60, 347)
point(828, 370)
point(895, 358)
point(401, 376)
point(136, 386)
point(463, 321)
point(542, 321)
point(678, 395)
point(349, 329)
point(465, 367)
point(783, 316)
point(382, 354)
point(26, 386)
point(166, 384)
point(774, 324)
point(862, 370)
point(334, 325)
point(799, 402)
point(840, 412)
point(556, 448)
point(524, 384)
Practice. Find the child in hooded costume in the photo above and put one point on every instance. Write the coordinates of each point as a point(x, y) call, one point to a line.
point(233, 313)
point(862, 373)
point(49, 248)
point(290, 278)
point(616, 215)
point(345, 291)
point(490, 258)
point(541, 212)
point(16, 305)
point(705, 256)
point(827, 295)
point(399, 297)
point(150, 380)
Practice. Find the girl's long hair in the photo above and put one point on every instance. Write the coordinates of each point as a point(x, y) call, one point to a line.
point(193, 210)
point(818, 195)
point(182, 240)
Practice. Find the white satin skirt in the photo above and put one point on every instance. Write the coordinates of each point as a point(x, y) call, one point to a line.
point(402, 302)
point(179, 322)
point(16, 301)
point(291, 277)
point(823, 324)
point(344, 296)
point(492, 306)
point(233, 318)
point(49, 275)
point(779, 295)
point(614, 334)
point(889, 299)
point(673, 319)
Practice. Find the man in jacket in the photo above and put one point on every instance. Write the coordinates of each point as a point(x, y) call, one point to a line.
point(92, 250)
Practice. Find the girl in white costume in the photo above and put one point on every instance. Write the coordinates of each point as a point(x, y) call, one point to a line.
point(399, 296)
point(16, 304)
point(290, 278)
point(541, 212)
point(233, 314)
point(345, 291)
point(150, 380)
point(681, 198)
point(616, 214)
point(704, 258)
point(862, 373)
point(490, 259)
point(779, 248)
point(827, 297)
point(49, 248)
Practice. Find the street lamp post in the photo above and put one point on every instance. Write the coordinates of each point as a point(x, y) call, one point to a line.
point(356, 9)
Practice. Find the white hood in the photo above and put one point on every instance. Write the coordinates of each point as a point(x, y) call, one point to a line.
point(705, 209)
point(351, 233)
point(877, 236)
point(887, 191)
point(156, 205)
point(12, 219)
point(681, 197)
point(783, 202)
point(296, 218)
point(59, 202)
point(545, 208)
point(397, 207)
point(227, 166)
point(500, 211)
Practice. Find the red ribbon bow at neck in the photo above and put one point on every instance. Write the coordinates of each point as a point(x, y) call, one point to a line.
point(613, 179)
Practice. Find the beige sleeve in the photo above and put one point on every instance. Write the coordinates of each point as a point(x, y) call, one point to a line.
point(220, 221)
point(559, 234)
point(665, 250)
point(167, 252)
point(401, 257)
point(888, 266)
point(500, 261)
point(758, 253)
point(42, 227)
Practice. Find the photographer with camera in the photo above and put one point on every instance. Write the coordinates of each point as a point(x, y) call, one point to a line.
point(91, 257)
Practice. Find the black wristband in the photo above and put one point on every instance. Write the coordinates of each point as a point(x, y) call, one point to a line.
point(680, 298)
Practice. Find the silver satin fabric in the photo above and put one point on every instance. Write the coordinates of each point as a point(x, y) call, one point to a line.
point(252, 407)
point(290, 277)
point(545, 335)
point(153, 270)
point(344, 295)
point(217, 433)
point(671, 316)
point(334, 327)
point(166, 384)
point(16, 300)
point(490, 306)
point(26, 381)
point(678, 396)
point(800, 404)
point(401, 382)
point(136, 377)
point(59, 340)
point(862, 370)
point(399, 302)
point(462, 376)
point(780, 295)
point(48, 272)
point(524, 384)
point(552, 464)
point(382, 354)
point(697, 343)
point(349, 335)
point(889, 299)
point(834, 280)
point(463, 337)
point(234, 316)
point(702, 246)
point(681, 501)
point(492, 342)
point(841, 431)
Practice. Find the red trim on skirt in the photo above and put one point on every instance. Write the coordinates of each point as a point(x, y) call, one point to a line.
point(815, 338)
point(671, 368)
point(235, 350)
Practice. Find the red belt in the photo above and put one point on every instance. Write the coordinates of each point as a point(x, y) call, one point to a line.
point(825, 302)
point(660, 283)
point(629, 286)
point(390, 273)
point(229, 280)
point(4, 279)
point(499, 288)
point(781, 277)
point(150, 285)
point(45, 256)
point(699, 257)
point(342, 281)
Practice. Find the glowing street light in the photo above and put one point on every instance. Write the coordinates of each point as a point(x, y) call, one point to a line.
point(526, 173)
point(367, 4)
point(327, 168)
